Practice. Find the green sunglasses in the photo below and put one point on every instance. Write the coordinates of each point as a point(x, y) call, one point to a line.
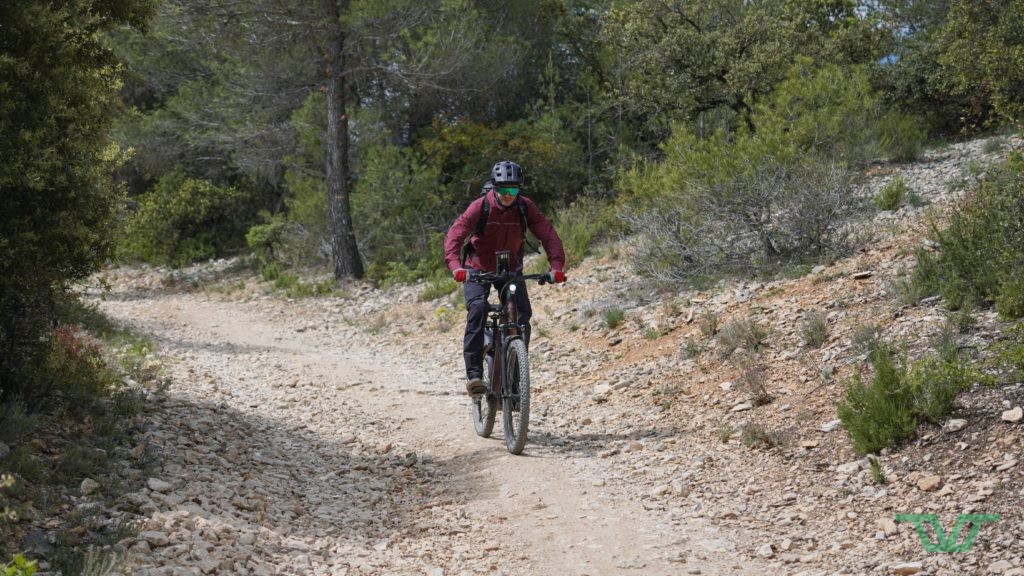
point(507, 191)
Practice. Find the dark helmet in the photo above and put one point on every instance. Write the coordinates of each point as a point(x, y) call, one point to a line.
point(506, 172)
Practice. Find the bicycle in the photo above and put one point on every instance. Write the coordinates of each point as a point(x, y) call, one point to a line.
point(508, 381)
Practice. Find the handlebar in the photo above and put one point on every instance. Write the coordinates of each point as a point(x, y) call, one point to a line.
point(488, 277)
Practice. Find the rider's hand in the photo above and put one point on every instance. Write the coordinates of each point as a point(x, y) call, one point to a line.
point(556, 276)
point(459, 275)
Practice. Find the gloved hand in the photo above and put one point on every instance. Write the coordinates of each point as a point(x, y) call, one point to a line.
point(556, 276)
point(459, 275)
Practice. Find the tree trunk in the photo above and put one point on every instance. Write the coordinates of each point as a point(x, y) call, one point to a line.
point(347, 263)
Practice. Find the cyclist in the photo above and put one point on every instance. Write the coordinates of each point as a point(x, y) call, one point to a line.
point(504, 223)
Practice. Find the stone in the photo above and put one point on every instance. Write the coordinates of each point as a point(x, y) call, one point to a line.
point(887, 526)
point(906, 568)
point(158, 485)
point(597, 482)
point(1000, 567)
point(849, 467)
point(661, 490)
point(5, 450)
point(863, 274)
point(929, 483)
point(1014, 415)
point(742, 407)
point(830, 425)
point(154, 538)
point(955, 425)
point(765, 551)
point(88, 486)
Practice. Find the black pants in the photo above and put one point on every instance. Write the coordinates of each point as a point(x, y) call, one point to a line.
point(476, 318)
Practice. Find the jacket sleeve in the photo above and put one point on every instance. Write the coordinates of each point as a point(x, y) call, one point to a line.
point(545, 232)
point(460, 230)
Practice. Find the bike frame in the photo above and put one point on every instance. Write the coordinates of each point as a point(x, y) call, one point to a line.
point(503, 320)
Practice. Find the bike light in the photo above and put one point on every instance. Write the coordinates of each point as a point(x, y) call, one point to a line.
point(512, 289)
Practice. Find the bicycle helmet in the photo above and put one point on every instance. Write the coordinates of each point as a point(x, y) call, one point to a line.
point(506, 172)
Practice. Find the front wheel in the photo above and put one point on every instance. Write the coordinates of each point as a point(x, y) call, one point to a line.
point(515, 396)
point(485, 406)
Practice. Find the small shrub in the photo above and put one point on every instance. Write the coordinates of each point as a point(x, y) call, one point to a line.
point(901, 136)
point(690, 349)
point(574, 326)
point(652, 334)
point(877, 474)
point(892, 194)
point(880, 413)
point(915, 200)
point(271, 271)
point(981, 249)
point(962, 320)
point(752, 383)
point(20, 566)
point(742, 333)
point(725, 432)
point(756, 436)
point(708, 323)
point(994, 145)
point(613, 317)
point(814, 329)
point(438, 288)
point(866, 337)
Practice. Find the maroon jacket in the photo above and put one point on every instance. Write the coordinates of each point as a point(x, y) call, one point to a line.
point(502, 232)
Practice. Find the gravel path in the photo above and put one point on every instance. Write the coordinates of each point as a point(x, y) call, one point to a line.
point(293, 444)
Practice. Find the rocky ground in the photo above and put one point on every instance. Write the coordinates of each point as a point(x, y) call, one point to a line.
point(328, 435)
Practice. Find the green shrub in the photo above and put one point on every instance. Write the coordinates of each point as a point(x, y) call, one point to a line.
point(888, 410)
point(879, 414)
point(20, 566)
point(981, 249)
point(613, 317)
point(756, 436)
point(741, 333)
point(891, 195)
point(814, 329)
point(877, 474)
point(994, 145)
point(866, 337)
point(182, 220)
point(901, 137)
point(708, 323)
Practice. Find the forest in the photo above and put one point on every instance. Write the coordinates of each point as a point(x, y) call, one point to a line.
point(718, 138)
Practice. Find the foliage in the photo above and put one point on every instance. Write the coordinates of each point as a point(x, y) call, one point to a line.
point(734, 204)
point(887, 411)
point(877, 474)
point(20, 566)
point(981, 249)
point(983, 53)
point(756, 436)
point(814, 329)
point(57, 201)
point(613, 317)
point(901, 136)
point(184, 220)
point(742, 333)
point(892, 194)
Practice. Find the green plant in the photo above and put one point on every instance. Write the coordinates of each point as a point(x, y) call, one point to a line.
point(752, 382)
point(613, 317)
point(725, 432)
point(902, 136)
point(740, 333)
point(915, 200)
point(994, 145)
point(880, 413)
point(690, 348)
point(652, 334)
point(891, 195)
point(866, 337)
point(708, 323)
point(980, 260)
point(19, 566)
point(814, 329)
point(877, 474)
point(574, 326)
point(756, 436)
point(962, 320)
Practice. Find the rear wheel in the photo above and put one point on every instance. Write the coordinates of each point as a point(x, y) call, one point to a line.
point(485, 405)
point(515, 396)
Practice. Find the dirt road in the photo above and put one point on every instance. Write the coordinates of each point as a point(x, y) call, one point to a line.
point(292, 443)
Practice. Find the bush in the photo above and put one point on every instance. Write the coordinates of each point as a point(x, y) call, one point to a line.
point(881, 413)
point(741, 333)
point(183, 220)
point(887, 411)
point(814, 329)
point(981, 250)
point(901, 137)
point(613, 317)
point(892, 194)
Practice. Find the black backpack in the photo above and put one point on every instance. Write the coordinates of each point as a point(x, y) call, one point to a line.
point(485, 209)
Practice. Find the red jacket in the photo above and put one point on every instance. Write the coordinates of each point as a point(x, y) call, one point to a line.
point(502, 232)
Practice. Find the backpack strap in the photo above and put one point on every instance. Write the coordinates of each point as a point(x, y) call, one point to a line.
point(482, 222)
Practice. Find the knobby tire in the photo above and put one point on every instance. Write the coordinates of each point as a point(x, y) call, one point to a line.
point(485, 406)
point(515, 401)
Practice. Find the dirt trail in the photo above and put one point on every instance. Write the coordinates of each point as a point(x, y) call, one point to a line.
point(322, 453)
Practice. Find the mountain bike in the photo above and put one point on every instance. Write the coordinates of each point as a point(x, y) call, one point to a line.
point(508, 379)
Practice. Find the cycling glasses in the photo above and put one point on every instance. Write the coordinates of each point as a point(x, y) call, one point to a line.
point(511, 191)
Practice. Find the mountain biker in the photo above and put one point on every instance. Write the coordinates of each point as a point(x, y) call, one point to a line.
point(508, 215)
